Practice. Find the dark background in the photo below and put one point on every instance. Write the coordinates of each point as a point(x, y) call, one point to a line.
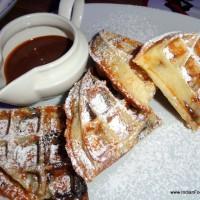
point(23, 7)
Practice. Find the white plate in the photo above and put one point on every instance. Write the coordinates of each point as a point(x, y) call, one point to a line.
point(169, 158)
point(5, 6)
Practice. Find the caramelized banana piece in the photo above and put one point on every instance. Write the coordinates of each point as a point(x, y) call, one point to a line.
point(113, 53)
point(173, 63)
point(100, 127)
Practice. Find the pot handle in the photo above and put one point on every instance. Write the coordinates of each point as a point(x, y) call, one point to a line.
point(72, 10)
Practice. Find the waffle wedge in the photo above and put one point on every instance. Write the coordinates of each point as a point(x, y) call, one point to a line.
point(173, 63)
point(33, 161)
point(100, 126)
point(113, 54)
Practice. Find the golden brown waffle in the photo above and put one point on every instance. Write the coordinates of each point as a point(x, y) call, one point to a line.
point(101, 127)
point(173, 63)
point(113, 54)
point(33, 160)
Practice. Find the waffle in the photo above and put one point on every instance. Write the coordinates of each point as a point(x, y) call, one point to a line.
point(113, 54)
point(173, 63)
point(101, 126)
point(33, 160)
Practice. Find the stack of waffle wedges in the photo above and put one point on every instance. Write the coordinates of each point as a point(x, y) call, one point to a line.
point(51, 152)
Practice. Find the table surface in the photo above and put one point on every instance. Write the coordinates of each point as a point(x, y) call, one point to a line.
point(23, 7)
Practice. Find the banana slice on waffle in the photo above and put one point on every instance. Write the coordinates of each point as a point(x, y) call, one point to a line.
point(33, 161)
point(173, 63)
point(113, 54)
point(100, 126)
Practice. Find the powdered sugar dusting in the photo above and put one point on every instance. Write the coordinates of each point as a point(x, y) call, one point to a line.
point(99, 104)
point(124, 24)
point(100, 122)
point(164, 161)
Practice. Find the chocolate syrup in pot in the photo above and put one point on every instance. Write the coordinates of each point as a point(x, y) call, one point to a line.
point(33, 53)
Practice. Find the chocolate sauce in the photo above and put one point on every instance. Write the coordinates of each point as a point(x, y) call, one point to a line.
point(33, 53)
